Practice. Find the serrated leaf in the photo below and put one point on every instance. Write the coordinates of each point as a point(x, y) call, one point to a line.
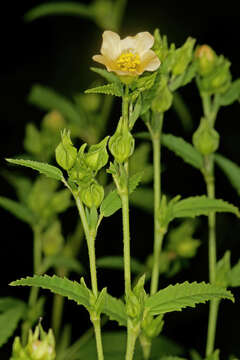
point(112, 201)
point(9, 321)
point(183, 149)
point(115, 309)
point(201, 205)
point(109, 89)
point(19, 210)
point(116, 262)
point(62, 261)
point(177, 297)
point(109, 76)
point(48, 170)
point(234, 275)
point(61, 286)
point(231, 170)
point(49, 100)
point(59, 8)
point(231, 95)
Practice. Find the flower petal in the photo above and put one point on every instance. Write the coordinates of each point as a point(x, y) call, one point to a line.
point(110, 45)
point(144, 42)
point(149, 61)
point(105, 61)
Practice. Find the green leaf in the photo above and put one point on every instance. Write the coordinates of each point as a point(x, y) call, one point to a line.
point(109, 76)
point(143, 198)
point(109, 89)
point(185, 78)
point(201, 205)
point(19, 210)
point(145, 82)
point(62, 261)
point(234, 275)
point(112, 201)
point(183, 149)
point(171, 358)
point(9, 319)
point(182, 111)
point(231, 170)
point(61, 286)
point(48, 170)
point(49, 100)
point(61, 8)
point(223, 270)
point(177, 297)
point(22, 184)
point(115, 309)
point(116, 262)
point(231, 95)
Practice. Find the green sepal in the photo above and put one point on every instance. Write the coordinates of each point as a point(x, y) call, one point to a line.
point(66, 153)
point(231, 95)
point(92, 194)
point(152, 326)
point(206, 138)
point(97, 156)
point(163, 98)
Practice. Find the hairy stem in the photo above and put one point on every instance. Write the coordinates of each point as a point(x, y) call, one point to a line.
point(212, 254)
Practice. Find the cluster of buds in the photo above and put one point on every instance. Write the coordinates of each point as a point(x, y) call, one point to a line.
point(213, 71)
point(82, 167)
point(40, 346)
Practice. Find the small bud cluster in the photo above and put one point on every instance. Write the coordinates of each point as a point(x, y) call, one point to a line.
point(40, 346)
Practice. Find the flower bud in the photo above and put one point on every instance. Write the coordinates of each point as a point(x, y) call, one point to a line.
point(92, 195)
point(205, 138)
point(163, 100)
point(133, 306)
point(66, 153)
point(54, 121)
point(206, 58)
point(152, 326)
point(121, 144)
point(183, 56)
point(97, 156)
point(52, 240)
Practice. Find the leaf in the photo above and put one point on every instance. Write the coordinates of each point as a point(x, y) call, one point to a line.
point(143, 198)
point(61, 286)
point(62, 261)
point(183, 149)
point(116, 262)
point(231, 170)
point(13, 312)
point(115, 309)
point(19, 210)
point(22, 184)
point(185, 78)
point(109, 89)
point(61, 8)
point(177, 297)
point(234, 275)
point(49, 100)
point(109, 76)
point(223, 270)
point(48, 170)
point(201, 205)
point(171, 358)
point(231, 95)
point(112, 201)
point(183, 112)
point(145, 82)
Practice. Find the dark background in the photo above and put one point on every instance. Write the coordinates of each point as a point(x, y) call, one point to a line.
point(57, 51)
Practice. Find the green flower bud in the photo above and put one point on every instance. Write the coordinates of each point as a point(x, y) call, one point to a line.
point(52, 240)
point(80, 172)
point(183, 56)
point(163, 100)
point(40, 346)
point(54, 121)
point(133, 306)
point(97, 155)
point(66, 153)
point(206, 58)
point(92, 195)
point(121, 144)
point(205, 138)
point(152, 326)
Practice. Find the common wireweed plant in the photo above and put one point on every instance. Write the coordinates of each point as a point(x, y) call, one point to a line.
point(106, 174)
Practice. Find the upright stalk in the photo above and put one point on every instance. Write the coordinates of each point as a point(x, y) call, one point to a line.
point(212, 254)
point(158, 234)
point(126, 241)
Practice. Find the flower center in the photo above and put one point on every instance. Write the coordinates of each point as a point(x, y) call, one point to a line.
point(128, 61)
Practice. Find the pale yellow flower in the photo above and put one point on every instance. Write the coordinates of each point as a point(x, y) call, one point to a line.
point(130, 56)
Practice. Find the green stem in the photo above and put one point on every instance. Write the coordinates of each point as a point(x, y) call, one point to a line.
point(158, 234)
point(131, 341)
point(214, 304)
point(98, 336)
point(126, 241)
